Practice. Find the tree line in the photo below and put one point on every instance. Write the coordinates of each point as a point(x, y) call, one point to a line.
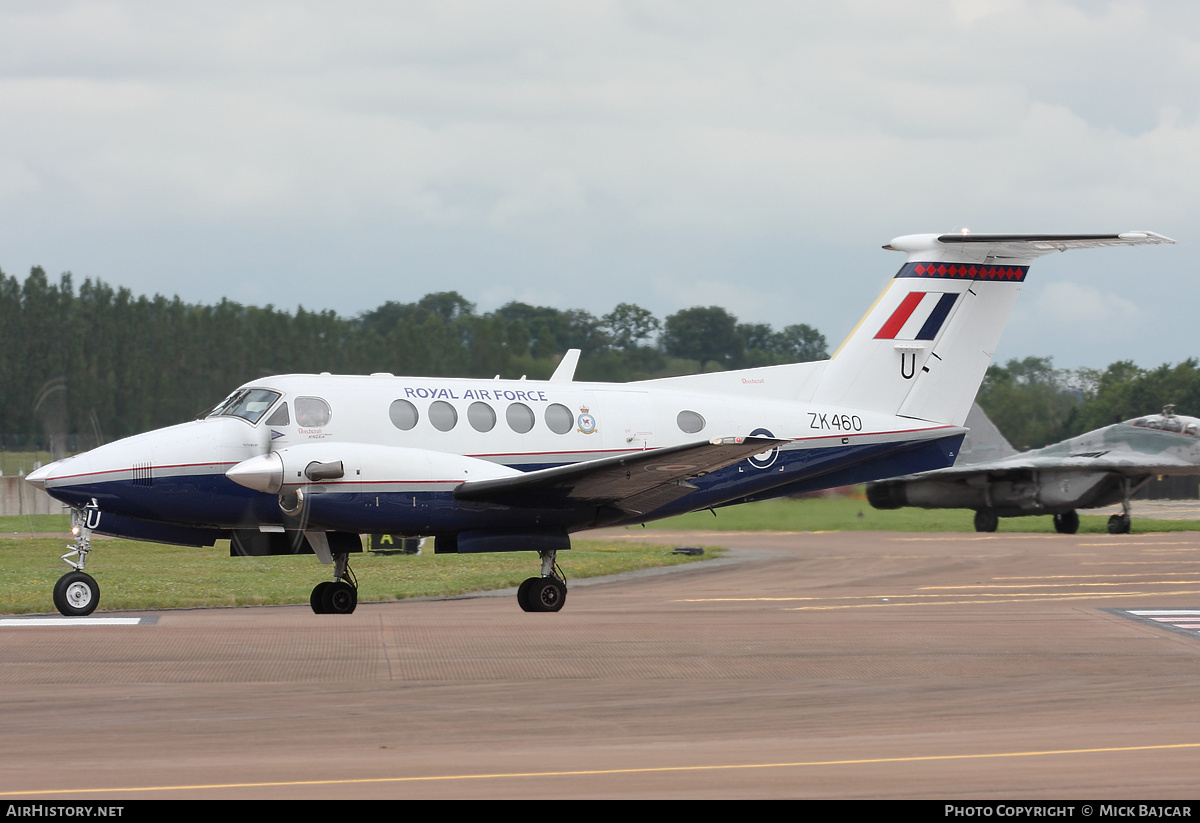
point(99, 363)
point(1035, 404)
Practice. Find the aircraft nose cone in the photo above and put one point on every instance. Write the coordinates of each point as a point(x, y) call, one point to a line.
point(263, 473)
point(38, 477)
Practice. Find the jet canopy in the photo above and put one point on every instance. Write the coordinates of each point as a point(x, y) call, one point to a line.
point(1168, 421)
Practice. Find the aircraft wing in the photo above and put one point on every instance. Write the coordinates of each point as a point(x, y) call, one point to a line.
point(636, 482)
point(1115, 462)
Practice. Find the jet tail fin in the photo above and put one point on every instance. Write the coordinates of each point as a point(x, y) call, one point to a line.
point(984, 442)
point(923, 347)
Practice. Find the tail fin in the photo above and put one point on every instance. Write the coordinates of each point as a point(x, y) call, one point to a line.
point(922, 349)
point(983, 442)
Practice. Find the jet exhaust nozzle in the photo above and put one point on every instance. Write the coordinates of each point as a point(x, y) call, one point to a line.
point(886, 495)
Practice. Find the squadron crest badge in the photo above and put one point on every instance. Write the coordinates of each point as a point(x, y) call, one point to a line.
point(587, 423)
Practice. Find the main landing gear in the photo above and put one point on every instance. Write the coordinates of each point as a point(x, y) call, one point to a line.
point(546, 593)
point(337, 596)
point(986, 520)
point(1067, 522)
point(76, 594)
point(1120, 523)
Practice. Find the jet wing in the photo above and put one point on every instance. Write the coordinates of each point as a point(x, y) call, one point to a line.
point(636, 483)
point(1115, 462)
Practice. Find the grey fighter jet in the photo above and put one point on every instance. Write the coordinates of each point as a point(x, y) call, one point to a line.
point(1096, 469)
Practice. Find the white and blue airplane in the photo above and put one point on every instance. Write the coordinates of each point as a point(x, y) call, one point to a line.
point(309, 462)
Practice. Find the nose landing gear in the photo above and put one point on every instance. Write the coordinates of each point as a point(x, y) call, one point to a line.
point(76, 594)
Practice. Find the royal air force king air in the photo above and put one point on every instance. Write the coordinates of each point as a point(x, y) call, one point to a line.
point(309, 462)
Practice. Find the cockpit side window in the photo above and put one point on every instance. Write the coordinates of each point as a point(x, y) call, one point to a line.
point(312, 412)
point(279, 417)
point(248, 404)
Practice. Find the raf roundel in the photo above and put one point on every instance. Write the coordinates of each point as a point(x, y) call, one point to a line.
point(763, 460)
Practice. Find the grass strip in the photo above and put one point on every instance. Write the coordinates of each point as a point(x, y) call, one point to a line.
point(855, 514)
point(135, 575)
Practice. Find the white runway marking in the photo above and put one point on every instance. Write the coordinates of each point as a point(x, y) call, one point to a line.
point(1184, 620)
point(8, 622)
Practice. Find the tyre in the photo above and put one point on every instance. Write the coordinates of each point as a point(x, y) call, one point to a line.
point(318, 592)
point(1118, 524)
point(523, 594)
point(1067, 522)
point(339, 598)
point(76, 594)
point(546, 594)
point(986, 520)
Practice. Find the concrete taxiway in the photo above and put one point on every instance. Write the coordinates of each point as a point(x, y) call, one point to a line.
point(810, 665)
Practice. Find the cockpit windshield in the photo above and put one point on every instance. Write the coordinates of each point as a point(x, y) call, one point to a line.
point(248, 404)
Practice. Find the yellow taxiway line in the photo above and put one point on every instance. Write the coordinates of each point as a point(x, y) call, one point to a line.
point(599, 772)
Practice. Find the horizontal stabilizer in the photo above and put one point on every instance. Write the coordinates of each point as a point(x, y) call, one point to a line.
point(1023, 246)
point(921, 351)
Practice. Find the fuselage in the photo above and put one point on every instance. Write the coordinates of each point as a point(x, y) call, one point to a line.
point(1092, 470)
point(406, 443)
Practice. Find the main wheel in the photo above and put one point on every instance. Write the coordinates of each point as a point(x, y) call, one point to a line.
point(986, 520)
point(546, 594)
point(1118, 524)
point(339, 598)
point(1067, 522)
point(523, 594)
point(315, 599)
point(76, 594)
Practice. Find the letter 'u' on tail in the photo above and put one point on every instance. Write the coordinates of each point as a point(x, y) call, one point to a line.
point(922, 349)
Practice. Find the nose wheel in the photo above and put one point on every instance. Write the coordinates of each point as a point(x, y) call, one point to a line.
point(77, 594)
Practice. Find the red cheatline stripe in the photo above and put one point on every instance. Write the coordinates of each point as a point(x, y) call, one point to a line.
point(900, 316)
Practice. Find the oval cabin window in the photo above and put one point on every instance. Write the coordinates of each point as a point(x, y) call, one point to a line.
point(404, 415)
point(690, 422)
point(520, 418)
point(481, 417)
point(442, 415)
point(559, 418)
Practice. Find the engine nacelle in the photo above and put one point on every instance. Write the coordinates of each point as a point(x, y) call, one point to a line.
point(350, 466)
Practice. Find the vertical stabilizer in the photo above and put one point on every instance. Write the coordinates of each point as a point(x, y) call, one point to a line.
point(922, 349)
point(983, 442)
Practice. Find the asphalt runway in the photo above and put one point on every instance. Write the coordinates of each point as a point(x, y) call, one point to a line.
point(844, 665)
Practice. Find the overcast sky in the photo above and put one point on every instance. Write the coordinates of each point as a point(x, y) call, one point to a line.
point(580, 155)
